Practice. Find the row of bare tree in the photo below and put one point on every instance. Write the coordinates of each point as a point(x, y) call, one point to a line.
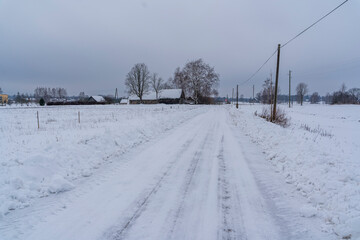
point(343, 96)
point(139, 81)
point(47, 93)
point(198, 80)
point(266, 95)
point(352, 96)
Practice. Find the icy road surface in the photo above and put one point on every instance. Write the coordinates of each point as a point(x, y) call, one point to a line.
point(202, 180)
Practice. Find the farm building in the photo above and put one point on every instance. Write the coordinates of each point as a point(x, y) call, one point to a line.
point(4, 99)
point(96, 99)
point(124, 101)
point(167, 96)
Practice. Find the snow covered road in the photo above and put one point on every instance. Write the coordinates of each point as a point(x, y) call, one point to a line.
point(193, 182)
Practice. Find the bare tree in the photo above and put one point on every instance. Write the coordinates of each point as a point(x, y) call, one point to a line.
point(137, 80)
point(197, 79)
point(267, 93)
point(48, 93)
point(42, 92)
point(180, 81)
point(315, 98)
point(169, 84)
point(355, 94)
point(82, 96)
point(61, 93)
point(156, 83)
point(301, 91)
point(328, 98)
point(53, 92)
point(346, 97)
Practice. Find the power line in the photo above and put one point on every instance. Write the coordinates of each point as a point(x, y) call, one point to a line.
point(292, 40)
point(267, 60)
point(314, 23)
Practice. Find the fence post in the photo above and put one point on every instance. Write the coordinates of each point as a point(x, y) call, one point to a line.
point(37, 116)
point(79, 116)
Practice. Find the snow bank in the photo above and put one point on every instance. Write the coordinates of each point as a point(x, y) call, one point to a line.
point(38, 162)
point(319, 155)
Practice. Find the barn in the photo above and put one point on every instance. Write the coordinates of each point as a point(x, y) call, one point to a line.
point(166, 96)
point(96, 99)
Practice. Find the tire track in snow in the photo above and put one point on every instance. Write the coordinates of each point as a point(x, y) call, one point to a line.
point(230, 227)
point(144, 201)
point(226, 230)
point(190, 173)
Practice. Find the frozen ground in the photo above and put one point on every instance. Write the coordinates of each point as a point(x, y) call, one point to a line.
point(38, 162)
point(319, 156)
point(185, 172)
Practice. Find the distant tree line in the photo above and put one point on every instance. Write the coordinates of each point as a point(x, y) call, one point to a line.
point(352, 96)
point(47, 93)
point(343, 96)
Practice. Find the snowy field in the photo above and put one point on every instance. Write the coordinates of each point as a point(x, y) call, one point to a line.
point(38, 162)
point(179, 172)
point(318, 155)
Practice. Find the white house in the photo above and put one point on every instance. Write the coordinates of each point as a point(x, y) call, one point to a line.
point(124, 101)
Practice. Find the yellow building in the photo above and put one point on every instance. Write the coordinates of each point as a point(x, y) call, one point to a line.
point(4, 99)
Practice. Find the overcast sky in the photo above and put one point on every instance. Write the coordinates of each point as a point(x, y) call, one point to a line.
point(90, 46)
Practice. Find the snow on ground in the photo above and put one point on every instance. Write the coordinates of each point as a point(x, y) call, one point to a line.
point(39, 162)
point(318, 155)
point(179, 172)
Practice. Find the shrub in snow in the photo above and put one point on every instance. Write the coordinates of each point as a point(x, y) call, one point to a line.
point(280, 118)
point(317, 130)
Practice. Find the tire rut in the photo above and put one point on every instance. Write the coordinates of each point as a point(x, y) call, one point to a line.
point(226, 204)
point(190, 173)
point(142, 202)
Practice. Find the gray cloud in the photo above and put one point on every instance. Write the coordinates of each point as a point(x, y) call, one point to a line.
point(91, 45)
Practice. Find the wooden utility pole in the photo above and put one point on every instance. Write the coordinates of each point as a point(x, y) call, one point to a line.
point(232, 96)
point(271, 97)
point(289, 87)
point(253, 93)
point(237, 96)
point(276, 81)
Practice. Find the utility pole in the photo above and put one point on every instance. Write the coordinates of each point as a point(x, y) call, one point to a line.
point(276, 80)
point(253, 93)
point(271, 97)
point(289, 87)
point(232, 96)
point(237, 96)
